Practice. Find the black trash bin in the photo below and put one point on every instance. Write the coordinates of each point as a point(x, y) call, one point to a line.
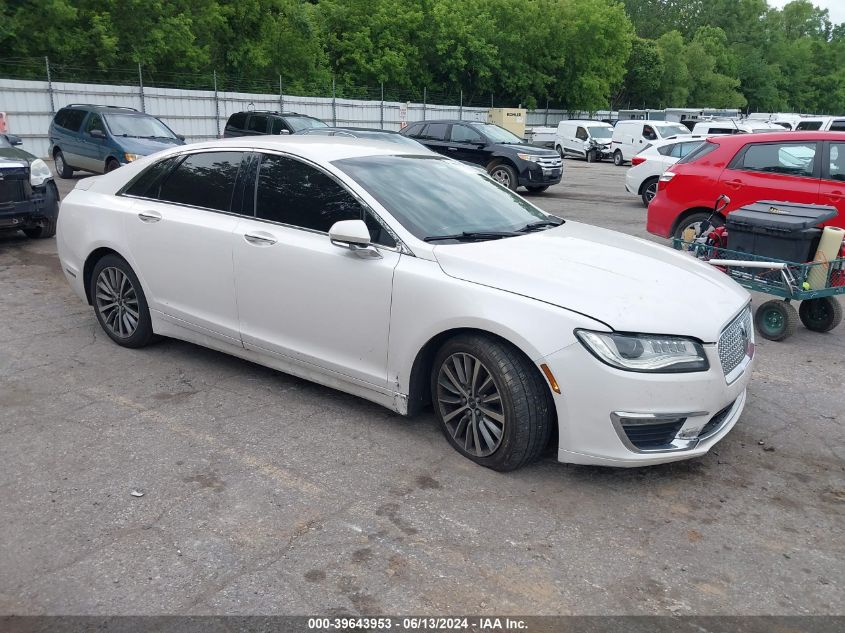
point(780, 230)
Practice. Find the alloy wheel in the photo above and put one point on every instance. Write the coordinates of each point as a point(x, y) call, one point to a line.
point(470, 404)
point(650, 192)
point(60, 163)
point(502, 176)
point(117, 302)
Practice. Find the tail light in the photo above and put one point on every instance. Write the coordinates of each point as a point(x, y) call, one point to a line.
point(637, 160)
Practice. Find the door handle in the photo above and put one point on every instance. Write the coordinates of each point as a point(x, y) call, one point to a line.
point(149, 216)
point(733, 184)
point(834, 194)
point(260, 238)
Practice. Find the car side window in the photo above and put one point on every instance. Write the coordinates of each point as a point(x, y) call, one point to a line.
point(581, 134)
point(809, 125)
point(414, 130)
point(649, 133)
point(95, 122)
point(204, 180)
point(148, 183)
point(278, 126)
point(465, 134)
point(795, 159)
point(434, 132)
point(838, 126)
point(686, 148)
point(669, 150)
point(257, 123)
point(237, 121)
point(837, 162)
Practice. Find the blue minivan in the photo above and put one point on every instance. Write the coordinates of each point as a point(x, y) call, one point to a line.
point(100, 138)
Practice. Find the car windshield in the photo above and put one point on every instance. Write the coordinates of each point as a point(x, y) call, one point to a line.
point(439, 198)
point(137, 125)
point(600, 132)
point(672, 130)
point(497, 134)
point(303, 123)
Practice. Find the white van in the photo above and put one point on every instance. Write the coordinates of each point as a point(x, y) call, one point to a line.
point(822, 123)
point(584, 139)
point(632, 137)
point(730, 126)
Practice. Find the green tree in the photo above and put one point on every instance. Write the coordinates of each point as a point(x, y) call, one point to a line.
point(676, 83)
point(644, 73)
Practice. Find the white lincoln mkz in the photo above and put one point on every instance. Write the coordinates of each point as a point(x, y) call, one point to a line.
point(408, 279)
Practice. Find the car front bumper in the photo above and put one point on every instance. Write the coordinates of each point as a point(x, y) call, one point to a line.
point(595, 397)
point(540, 176)
point(41, 203)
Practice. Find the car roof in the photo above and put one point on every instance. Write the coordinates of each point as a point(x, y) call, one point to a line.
point(103, 108)
point(314, 147)
point(777, 137)
point(583, 121)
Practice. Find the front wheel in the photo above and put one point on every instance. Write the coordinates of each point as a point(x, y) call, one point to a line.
point(504, 175)
point(591, 156)
point(492, 403)
point(820, 315)
point(119, 302)
point(776, 320)
point(649, 191)
point(111, 165)
point(693, 225)
point(617, 158)
point(537, 188)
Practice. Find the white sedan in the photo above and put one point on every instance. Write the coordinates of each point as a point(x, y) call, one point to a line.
point(412, 280)
point(647, 166)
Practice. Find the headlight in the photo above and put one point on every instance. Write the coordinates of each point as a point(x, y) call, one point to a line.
point(130, 157)
point(39, 173)
point(532, 158)
point(645, 352)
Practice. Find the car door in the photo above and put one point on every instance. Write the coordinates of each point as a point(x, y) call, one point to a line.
point(93, 149)
point(785, 171)
point(179, 234)
point(434, 137)
point(467, 145)
point(67, 136)
point(578, 144)
point(299, 296)
point(832, 184)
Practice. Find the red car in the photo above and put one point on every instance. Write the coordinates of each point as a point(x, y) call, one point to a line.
point(802, 167)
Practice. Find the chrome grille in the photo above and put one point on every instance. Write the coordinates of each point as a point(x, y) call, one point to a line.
point(550, 162)
point(734, 341)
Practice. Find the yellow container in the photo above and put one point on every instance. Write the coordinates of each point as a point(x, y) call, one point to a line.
point(512, 119)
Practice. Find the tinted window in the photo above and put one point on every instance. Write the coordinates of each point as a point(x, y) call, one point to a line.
point(414, 129)
point(278, 126)
point(294, 193)
point(147, 184)
point(237, 121)
point(838, 126)
point(257, 123)
point(204, 180)
point(465, 134)
point(837, 161)
point(435, 132)
point(723, 130)
point(70, 119)
point(95, 122)
point(809, 125)
point(297, 123)
point(667, 150)
point(795, 159)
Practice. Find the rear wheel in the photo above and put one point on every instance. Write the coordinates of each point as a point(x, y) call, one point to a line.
point(492, 403)
point(119, 302)
point(505, 175)
point(776, 320)
point(62, 168)
point(111, 165)
point(820, 315)
point(649, 190)
point(617, 158)
point(693, 225)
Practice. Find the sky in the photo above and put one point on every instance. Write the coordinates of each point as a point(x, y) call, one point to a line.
point(836, 8)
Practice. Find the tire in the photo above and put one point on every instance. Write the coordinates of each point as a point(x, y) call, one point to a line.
point(114, 270)
point(111, 165)
point(537, 189)
point(560, 152)
point(505, 175)
point(591, 156)
point(820, 315)
point(62, 168)
point(648, 191)
point(524, 404)
point(617, 158)
point(46, 230)
point(697, 218)
point(776, 320)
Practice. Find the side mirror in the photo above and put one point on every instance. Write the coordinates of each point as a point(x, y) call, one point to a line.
point(283, 131)
point(13, 140)
point(354, 235)
point(95, 133)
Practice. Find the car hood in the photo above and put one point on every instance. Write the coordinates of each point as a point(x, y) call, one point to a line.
point(627, 283)
point(145, 146)
point(15, 155)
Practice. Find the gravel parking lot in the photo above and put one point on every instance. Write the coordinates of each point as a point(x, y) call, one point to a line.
point(266, 494)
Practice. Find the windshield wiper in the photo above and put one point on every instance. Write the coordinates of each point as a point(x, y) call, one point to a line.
point(531, 226)
point(471, 236)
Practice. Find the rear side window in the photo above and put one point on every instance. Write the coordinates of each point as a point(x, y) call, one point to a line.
point(237, 121)
point(414, 130)
point(70, 119)
point(794, 159)
point(435, 132)
point(148, 182)
point(700, 152)
point(203, 180)
point(257, 123)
